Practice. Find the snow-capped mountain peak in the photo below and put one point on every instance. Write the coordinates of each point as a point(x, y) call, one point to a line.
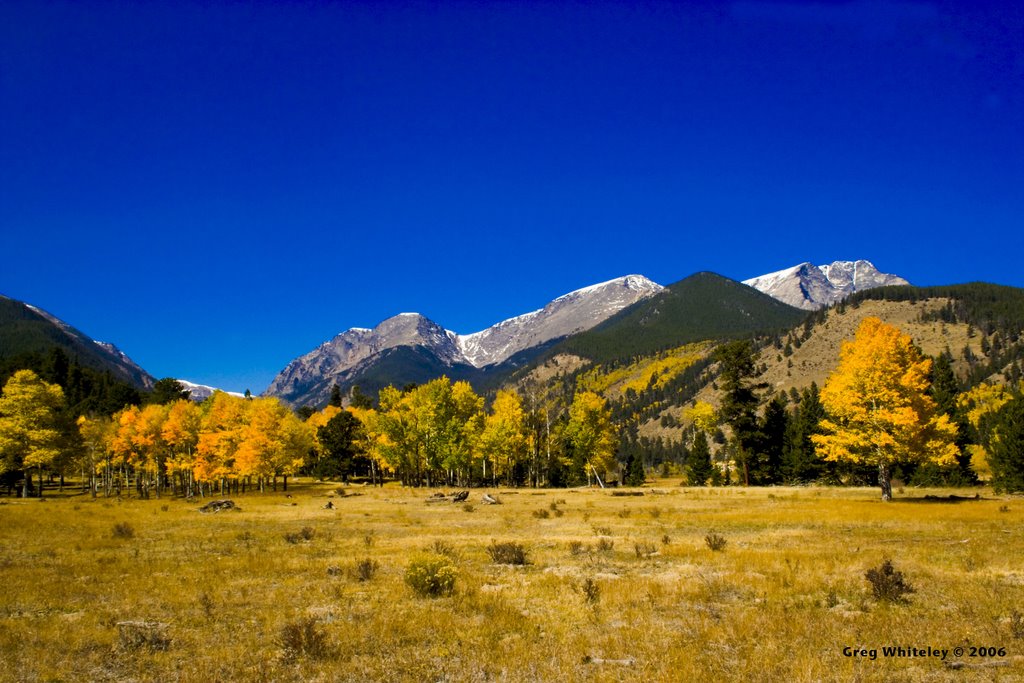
point(812, 287)
point(570, 313)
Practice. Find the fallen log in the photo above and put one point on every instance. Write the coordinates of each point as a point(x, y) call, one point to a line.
point(218, 506)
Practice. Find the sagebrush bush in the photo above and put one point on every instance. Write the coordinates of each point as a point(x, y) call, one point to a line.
point(508, 552)
point(644, 549)
point(305, 534)
point(364, 570)
point(124, 530)
point(303, 638)
point(590, 590)
point(888, 583)
point(715, 541)
point(431, 575)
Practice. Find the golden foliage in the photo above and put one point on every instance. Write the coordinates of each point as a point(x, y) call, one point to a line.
point(878, 406)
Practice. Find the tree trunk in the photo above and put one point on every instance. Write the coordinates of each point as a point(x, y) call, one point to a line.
point(884, 481)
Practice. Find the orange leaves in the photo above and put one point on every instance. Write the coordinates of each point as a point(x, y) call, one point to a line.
point(878, 403)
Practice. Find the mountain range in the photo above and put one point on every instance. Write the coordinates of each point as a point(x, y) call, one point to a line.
point(615, 319)
point(420, 349)
point(624, 316)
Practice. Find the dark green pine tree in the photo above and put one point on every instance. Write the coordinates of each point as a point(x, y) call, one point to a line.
point(766, 466)
point(635, 475)
point(800, 463)
point(740, 401)
point(699, 468)
point(1004, 438)
point(357, 399)
point(168, 390)
point(339, 440)
point(335, 399)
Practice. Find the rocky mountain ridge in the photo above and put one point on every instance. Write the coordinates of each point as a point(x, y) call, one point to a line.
point(351, 353)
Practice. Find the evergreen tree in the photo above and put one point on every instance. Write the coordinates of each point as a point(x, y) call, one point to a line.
point(766, 467)
point(1005, 439)
point(357, 399)
point(167, 390)
point(800, 464)
point(699, 468)
point(740, 401)
point(335, 399)
point(635, 475)
point(339, 439)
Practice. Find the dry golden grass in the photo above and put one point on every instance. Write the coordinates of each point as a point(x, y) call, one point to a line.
point(617, 588)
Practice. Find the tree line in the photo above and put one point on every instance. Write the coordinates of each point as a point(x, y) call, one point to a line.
point(434, 434)
point(886, 413)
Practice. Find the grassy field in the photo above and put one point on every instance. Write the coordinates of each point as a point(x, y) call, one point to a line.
point(615, 588)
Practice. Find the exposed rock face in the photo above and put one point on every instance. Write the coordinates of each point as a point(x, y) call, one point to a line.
point(568, 314)
point(812, 287)
point(357, 345)
point(355, 351)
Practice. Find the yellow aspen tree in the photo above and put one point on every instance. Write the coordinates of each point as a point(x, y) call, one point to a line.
point(29, 434)
point(181, 434)
point(219, 437)
point(465, 424)
point(296, 441)
point(96, 432)
point(370, 442)
point(151, 447)
point(878, 408)
point(591, 434)
point(503, 438)
point(394, 433)
point(701, 415)
point(122, 446)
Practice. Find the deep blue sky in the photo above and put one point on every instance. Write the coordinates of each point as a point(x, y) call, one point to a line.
point(218, 187)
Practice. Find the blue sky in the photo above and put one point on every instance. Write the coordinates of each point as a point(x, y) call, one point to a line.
point(218, 187)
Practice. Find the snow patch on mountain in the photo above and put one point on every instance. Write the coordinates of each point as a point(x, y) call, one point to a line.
point(201, 392)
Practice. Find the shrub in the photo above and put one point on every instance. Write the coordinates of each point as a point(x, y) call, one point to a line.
point(124, 530)
point(888, 583)
point(590, 590)
point(303, 638)
point(605, 545)
point(305, 534)
point(541, 514)
point(576, 548)
point(431, 575)
point(135, 635)
point(508, 552)
point(715, 542)
point(445, 548)
point(364, 570)
point(1017, 625)
point(644, 549)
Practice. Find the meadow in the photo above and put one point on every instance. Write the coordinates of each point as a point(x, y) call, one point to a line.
point(615, 587)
